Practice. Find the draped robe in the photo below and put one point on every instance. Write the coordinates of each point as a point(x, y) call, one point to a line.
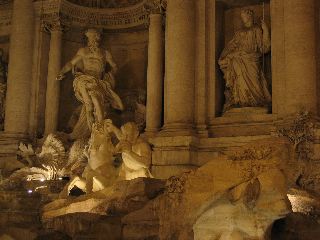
point(240, 62)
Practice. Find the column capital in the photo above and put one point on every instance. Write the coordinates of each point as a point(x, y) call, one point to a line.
point(54, 25)
point(155, 6)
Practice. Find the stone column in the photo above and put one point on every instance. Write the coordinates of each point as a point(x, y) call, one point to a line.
point(180, 67)
point(155, 74)
point(278, 59)
point(200, 69)
point(53, 86)
point(20, 67)
point(300, 34)
point(215, 41)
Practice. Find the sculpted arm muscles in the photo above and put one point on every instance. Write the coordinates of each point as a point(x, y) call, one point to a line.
point(69, 65)
point(110, 60)
point(112, 128)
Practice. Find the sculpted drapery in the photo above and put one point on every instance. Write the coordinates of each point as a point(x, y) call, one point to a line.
point(240, 62)
point(93, 84)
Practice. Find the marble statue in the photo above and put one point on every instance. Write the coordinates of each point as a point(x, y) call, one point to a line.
point(100, 171)
point(240, 62)
point(47, 164)
point(3, 87)
point(136, 152)
point(93, 85)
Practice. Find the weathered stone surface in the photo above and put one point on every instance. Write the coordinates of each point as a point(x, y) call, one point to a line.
point(141, 224)
point(86, 225)
point(123, 197)
point(230, 192)
point(102, 211)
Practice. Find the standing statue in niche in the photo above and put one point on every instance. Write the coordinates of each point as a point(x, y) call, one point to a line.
point(240, 62)
point(3, 87)
point(93, 84)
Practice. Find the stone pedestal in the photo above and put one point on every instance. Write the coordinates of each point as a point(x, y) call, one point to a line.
point(20, 67)
point(180, 68)
point(53, 86)
point(155, 75)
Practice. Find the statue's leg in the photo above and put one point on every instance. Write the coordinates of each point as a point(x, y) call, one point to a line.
point(98, 108)
point(89, 114)
point(89, 182)
point(88, 105)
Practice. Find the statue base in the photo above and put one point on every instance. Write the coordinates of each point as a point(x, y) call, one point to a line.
point(236, 112)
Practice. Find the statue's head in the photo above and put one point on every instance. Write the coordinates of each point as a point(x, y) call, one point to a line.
point(130, 131)
point(93, 36)
point(247, 17)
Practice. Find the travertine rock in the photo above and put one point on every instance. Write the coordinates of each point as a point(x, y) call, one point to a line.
point(236, 197)
point(119, 199)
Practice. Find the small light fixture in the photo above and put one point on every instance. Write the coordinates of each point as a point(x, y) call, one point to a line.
point(29, 191)
point(42, 180)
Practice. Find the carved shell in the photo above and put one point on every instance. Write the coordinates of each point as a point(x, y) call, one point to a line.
point(52, 155)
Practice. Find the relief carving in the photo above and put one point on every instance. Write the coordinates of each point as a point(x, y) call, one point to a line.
point(300, 133)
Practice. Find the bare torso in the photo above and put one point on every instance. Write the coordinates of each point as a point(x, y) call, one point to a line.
point(93, 62)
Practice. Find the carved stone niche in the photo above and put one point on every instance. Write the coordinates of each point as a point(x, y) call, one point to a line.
point(234, 121)
point(228, 23)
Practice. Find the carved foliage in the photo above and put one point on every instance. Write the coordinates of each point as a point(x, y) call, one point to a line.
point(300, 133)
point(253, 161)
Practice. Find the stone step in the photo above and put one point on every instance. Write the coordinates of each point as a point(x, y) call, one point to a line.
point(22, 204)
point(19, 207)
point(19, 218)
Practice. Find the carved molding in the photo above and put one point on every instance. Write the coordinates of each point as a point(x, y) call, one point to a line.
point(109, 18)
point(74, 15)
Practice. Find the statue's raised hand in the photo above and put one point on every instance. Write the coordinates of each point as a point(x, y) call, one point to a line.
point(264, 25)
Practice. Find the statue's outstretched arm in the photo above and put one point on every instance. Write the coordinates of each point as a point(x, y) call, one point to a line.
point(110, 60)
point(113, 129)
point(69, 65)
